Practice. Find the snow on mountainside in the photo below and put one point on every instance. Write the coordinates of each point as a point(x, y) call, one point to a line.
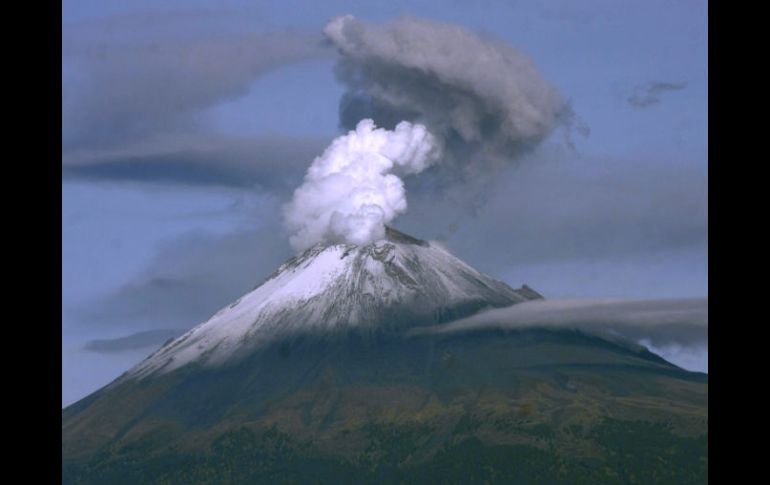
point(399, 281)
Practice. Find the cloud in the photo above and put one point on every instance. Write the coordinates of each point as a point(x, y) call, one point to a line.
point(481, 95)
point(648, 94)
point(126, 87)
point(681, 322)
point(270, 162)
point(352, 190)
point(134, 341)
point(190, 279)
point(136, 88)
point(558, 209)
point(694, 358)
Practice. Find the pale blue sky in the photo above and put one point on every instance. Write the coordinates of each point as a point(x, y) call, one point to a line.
point(624, 215)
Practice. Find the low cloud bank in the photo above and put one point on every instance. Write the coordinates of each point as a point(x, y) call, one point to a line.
point(665, 323)
point(137, 340)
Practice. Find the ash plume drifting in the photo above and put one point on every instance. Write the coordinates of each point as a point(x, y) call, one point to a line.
point(480, 95)
point(438, 91)
point(351, 191)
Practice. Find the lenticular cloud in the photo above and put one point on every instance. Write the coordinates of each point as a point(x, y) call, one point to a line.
point(353, 189)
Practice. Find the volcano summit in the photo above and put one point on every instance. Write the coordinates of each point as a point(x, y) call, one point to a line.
point(384, 286)
point(314, 376)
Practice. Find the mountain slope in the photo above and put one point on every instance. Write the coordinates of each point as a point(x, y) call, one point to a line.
point(397, 282)
point(314, 377)
point(555, 407)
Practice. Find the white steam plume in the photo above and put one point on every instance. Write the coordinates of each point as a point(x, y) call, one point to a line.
point(352, 190)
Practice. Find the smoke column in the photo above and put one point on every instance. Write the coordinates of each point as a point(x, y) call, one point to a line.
point(353, 189)
point(446, 92)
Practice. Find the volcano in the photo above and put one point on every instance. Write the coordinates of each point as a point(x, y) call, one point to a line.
point(389, 285)
point(316, 377)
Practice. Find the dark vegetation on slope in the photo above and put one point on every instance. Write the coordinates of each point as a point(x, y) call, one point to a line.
point(629, 452)
point(492, 406)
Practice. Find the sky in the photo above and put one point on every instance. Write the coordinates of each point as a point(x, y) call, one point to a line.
point(186, 127)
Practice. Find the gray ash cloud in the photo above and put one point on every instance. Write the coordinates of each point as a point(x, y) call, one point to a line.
point(482, 96)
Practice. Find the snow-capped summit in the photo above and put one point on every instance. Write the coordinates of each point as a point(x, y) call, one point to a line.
point(397, 282)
